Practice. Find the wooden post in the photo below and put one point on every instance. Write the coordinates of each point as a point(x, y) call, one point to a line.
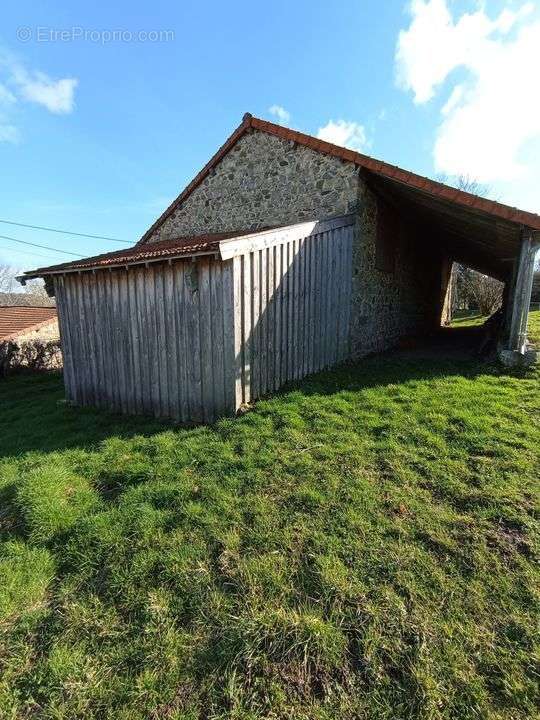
point(447, 284)
point(520, 298)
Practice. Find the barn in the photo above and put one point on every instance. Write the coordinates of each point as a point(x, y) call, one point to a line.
point(285, 255)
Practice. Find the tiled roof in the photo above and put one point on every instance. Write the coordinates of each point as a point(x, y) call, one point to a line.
point(142, 253)
point(144, 250)
point(15, 320)
point(465, 199)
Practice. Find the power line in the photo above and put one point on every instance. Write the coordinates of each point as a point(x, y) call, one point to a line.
point(28, 252)
point(44, 247)
point(64, 232)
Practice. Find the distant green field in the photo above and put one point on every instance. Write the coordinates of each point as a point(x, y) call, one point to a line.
point(364, 545)
point(474, 320)
point(469, 321)
point(534, 328)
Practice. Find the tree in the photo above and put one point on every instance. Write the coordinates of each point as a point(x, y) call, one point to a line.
point(477, 290)
point(469, 287)
point(7, 280)
point(12, 293)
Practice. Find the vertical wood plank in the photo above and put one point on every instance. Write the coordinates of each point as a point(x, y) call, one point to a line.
point(85, 354)
point(141, 290)
point(182, 349)
point(99, 349)
point(119, 346)
point(332, 305)
point(271, 320)
point(171, 340)
point(348, 291)
point(127, 340)
point(301, 307)
point(312, 304)
point(150, 321)
point(192, 293)
point(290, 310)
point(326, 295)
point(255, 325)
point(65, 339)
point(231, 335)
point(238, 324)
point(278, 290)
point(205, 334)
point(134, 340)
point(217, 358)
point(162, 341)
point(263, 320)
point(247, 278)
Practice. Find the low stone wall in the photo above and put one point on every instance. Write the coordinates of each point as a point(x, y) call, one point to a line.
point(50, 331)
point(35, 354)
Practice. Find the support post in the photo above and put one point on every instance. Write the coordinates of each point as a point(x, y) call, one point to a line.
point(447, 287)
point(522, 290)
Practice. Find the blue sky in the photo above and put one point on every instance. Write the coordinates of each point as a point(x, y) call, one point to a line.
point(99, 133)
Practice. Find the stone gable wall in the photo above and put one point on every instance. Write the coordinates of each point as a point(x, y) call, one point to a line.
point(266, 181)
point(262, 182)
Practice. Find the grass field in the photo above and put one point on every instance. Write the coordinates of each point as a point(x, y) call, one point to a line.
point(468, 321)
point(364, 545)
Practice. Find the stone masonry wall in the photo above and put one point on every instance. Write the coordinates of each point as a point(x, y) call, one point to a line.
point(262, 182)
point(49, 331)
point(389, 306)
point(266, 181)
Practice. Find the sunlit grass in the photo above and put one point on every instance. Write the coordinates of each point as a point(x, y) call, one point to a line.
point(473, 320)
point(362, 546)
point(534, 328)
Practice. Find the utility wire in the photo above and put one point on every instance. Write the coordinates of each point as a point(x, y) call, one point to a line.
point(28, 252)
point(44, 247)
point(64, 232)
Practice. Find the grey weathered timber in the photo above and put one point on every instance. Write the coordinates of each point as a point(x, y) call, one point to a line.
point(521, 292)
point(192, 339)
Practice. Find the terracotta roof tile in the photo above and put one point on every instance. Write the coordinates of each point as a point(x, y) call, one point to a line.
point(16, 320)
point(378, 167)
point(141, 253)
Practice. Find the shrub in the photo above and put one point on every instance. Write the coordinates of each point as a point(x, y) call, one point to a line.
point(32, 354)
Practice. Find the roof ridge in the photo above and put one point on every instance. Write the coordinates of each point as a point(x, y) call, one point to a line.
point(30, 307)
point(380, 167)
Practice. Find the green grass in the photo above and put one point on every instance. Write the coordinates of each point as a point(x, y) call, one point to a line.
point(534, 328)
point(364, 545)
point(468, 321)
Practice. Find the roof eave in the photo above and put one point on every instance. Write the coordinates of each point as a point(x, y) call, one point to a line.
point(53, 270)
point(460, 197)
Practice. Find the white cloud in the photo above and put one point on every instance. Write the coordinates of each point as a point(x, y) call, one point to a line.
point(283, 116)
point(492, 114)
point(8, 132)
point(58, 96)
point(345, 133)
point(17, 84)
point(6, 96)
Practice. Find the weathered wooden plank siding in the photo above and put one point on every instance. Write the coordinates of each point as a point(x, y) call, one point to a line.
point(293, 303)
point(158, 340)
point(193, 340)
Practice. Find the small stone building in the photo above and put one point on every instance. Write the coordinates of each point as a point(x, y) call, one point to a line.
point(285, 255)
point(20, 323)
